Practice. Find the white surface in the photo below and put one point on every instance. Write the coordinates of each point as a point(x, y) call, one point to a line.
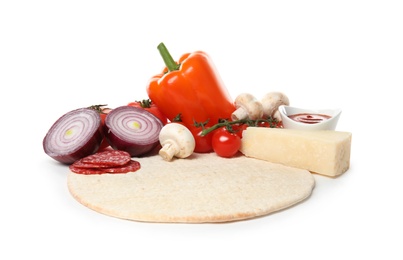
point(57, 56)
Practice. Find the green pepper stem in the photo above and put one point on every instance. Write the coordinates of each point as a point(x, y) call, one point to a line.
point(166, 56)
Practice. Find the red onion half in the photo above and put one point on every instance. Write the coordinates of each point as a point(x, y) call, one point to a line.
point(132, 129)
point(73, 136)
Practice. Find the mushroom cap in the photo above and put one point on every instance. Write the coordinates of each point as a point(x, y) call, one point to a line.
point(252, 107)
point(272, 100)
point(176, 141)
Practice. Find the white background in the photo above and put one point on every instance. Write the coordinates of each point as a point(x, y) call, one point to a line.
point(56, 56)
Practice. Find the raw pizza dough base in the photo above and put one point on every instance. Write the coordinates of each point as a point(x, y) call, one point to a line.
point(202, 188)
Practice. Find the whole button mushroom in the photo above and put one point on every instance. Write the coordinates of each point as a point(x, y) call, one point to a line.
point(271, 101)
point(247, 106)
point(176, 141)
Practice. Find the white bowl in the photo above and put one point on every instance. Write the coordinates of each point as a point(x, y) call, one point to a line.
point(329, 124)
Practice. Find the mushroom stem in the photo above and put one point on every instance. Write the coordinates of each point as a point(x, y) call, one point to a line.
point(239, 114)
point(167, 152)
point(247, 106)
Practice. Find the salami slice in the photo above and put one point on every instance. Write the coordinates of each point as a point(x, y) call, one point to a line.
point(108, 158)
point(79, 170)
point(81, 164)
point(130, 166)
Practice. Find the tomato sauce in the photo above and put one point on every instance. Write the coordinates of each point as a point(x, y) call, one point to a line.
point(308, 118)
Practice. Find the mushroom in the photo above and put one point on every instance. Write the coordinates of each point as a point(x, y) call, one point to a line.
point(271, 101)
point(176, 141)
point(247, 106)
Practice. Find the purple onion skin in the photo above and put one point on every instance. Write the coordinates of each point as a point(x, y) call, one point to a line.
point(136, 146)
point(80, 150)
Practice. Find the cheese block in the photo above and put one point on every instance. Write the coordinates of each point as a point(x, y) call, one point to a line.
point(324, 152)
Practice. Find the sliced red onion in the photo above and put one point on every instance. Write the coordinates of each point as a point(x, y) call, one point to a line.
point(73, 136)
point(132, 129)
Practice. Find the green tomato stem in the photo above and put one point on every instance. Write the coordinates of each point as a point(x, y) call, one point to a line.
point(223, 124)
point(249, 122)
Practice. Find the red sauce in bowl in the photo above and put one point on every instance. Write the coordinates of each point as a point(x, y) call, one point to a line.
point(308, 118)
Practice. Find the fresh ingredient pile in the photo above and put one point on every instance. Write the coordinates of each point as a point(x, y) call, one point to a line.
point(188, 110)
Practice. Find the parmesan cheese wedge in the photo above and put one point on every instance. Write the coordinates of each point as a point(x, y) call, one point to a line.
point(324, 152)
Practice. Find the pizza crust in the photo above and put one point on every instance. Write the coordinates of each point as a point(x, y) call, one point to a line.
point(202, 188)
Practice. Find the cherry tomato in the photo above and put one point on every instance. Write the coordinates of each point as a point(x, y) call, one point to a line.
point(263, 124)
point(238, 129)
point(147, 104)
point(278, 124)
point(225, 144)
point(203, 143)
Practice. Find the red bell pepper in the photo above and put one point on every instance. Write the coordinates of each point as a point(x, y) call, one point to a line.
point(192, 88)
